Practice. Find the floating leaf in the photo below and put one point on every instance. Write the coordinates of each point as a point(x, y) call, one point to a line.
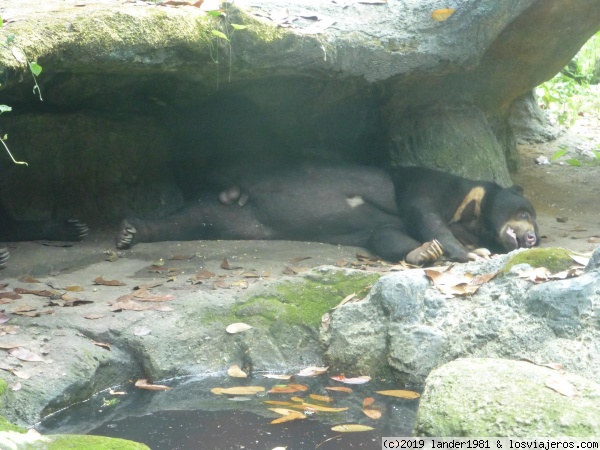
point(291, 415)
point(314, 407)
point(368, 401)
point(339, 389)
point(439, 15)
point(279, 403)
point(372, 413)
point(312, 371)
point(104, 282)
point(410, 395)
point(237, 327)
point(282, 390)
point(236, 372)
point(321, 398)
point(143, 384)
point(277, 377)
point(351, 428)
point(356, 380)
point(239, 390)
point(25, 355)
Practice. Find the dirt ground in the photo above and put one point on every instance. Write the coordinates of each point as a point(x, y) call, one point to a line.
point(566, 197)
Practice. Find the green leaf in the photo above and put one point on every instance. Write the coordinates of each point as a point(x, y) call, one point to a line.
point(215, 13)
point(238, 26)
point(218, 34)
point(574, 162)
point(36, 69)
point(10, 38)
point(596, 153)
point(5, 108)
point(558, 154)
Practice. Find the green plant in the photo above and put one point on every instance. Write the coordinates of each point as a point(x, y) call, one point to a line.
point(568, 93)
point(222, 30)
point(35, 70)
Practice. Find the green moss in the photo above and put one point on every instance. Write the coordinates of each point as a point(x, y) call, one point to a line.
point(83, 442)
point(553, 259)
point(299, 302)
point(5, 425)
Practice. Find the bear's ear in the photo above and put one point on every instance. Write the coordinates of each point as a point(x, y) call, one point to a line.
point(517, 189)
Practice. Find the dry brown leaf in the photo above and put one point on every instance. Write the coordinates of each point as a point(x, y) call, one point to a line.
point(21, 375)
point(238, 327)
point(181, 257)
point(199, 277)
point(225, 264)
point(151, 285)
point(345, 300)
point(339, 389)
point(372, 413)
point(28, 279)
point(103, 282)
point(239, 390)
point(439, 15)
point(297, 259)
point(355, 380)
point(23, 309)
point(351, 428)
point(8, 346)
point(94, 316)
point(74, 289)
point(39, 293)
point(4, 318)
point(143, 384)
point(10, 295)
point(321, 398)
point(143, 295)
point(102, 344)
point(561, 385)
point(299, 387)
point(536, 274)
point(368, 401)
point(25, 355)
point(236, 372)
point(312, 371)
point(410, 395)
point(282, 390)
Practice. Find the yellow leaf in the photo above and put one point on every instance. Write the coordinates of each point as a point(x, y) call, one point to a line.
point(143, 384)
point(351, 428)
point(400, 393)
point(279, 403)
point(283, 411)
point(238, 390)
point(322, 408)
point(235, 372)
point(295, 415)
point(439, 15)
point(340, 389)
point(321, 398)
point(372, 413)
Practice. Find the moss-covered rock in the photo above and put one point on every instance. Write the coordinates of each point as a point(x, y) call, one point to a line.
point(496, 397)
point(554, 259)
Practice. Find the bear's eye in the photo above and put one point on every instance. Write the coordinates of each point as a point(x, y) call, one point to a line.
point(524, 215)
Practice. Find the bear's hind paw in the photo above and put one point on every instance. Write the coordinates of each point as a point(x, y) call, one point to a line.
point(126, 236)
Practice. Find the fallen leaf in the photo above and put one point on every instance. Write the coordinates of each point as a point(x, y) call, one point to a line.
point(561, 385)
point(10, 295)
point(282, 390)
point(181, 257)
point(239, 390)
point(141, 331)
point(356, 380)
point(25, 355)
point(368, 401)
point(312, 371)
point(21, 375)
point(237, 327)
point(74, 289)
point(94, 316)
point(372, 413)
point(143, 295)
point(400, 393)
point(143, 384)
point(351, 428)
point(440, 15)
point(314, 407)
point(4, 318)
point(103, 282)
point(297, 259)
point(16, 386)
point(345, 300)
point(111, 392)
point(339, 389)
point(321, 398)
point(294, 415)
point(147, 286)
point(28, 279)
point(279, 403)
point(227, 266)
point(102, 344)
point(536, 274)
point(39, 293)
point(277, 377)
point(236, 372)
point(583, 260)
point(8, 346)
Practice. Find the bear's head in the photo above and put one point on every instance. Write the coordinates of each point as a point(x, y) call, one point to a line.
point(512, 220)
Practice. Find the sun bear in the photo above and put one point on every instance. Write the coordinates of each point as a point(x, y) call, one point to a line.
point(24, 230)
point(409, 213)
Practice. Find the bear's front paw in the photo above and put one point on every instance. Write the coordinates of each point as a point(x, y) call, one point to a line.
point(126, 236)
point(4, 255)
point(427, 253)
point(479, 254)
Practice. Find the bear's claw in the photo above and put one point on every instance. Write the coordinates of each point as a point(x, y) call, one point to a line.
point(126, 236)
point(427, 253)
